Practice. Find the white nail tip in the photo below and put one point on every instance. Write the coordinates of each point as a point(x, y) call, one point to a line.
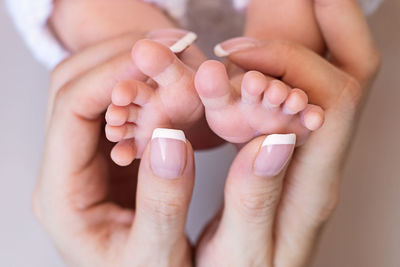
point(169, 134)
point(220, 52)
point(280, 139)
point(184, 42)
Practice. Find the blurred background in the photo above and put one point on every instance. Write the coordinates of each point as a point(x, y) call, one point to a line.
point(364, 232)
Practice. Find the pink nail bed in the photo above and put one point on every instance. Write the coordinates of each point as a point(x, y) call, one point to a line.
point(168, 153)
point(233, 45)
point(274, 154)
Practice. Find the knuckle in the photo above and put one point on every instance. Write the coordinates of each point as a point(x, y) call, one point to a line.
point(322, 210)
point(288, 47)
point(373, 63)
point(165, 208)
point(328, 207)
point(351, 93)
point(56, 71)
point(56, 75)
point(355, 91)
point(293, 48)
point(316, 211)
point(256, 207)
point(61, 74)
point(369, 65)
point(377, 58)
point(284, 47)
point(61, 96)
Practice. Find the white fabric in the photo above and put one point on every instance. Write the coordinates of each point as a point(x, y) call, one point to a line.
point(31, 17)
point(240, 4)
point(369, 6)
point(176, 8)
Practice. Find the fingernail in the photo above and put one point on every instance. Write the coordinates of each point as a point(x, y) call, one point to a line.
point(183, 43)
point(233, 45)
point(176, 39)
point(168, 153)
point(274, 154)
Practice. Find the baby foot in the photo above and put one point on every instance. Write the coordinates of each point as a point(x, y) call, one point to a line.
point(167, 100)
point(252, 104)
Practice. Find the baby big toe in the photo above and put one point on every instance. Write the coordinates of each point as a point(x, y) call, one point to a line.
point(158, 62)
point(212, 85)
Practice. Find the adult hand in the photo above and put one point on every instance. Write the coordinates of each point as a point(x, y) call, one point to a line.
point(84, 201)
point(261, 223)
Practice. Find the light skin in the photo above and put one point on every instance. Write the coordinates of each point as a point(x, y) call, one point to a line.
point(76, 199)
point(138, 107)
point(94, 199)
point(275, 106)
point(118, 25)
point(130, 124)
point(290, 20)
point(239, 107)
point(172, 101)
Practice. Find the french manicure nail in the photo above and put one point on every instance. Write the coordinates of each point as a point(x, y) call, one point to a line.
point(234, 45)
point(183, 43)
point(176, 39)
point(274, 154)
point(168, 153)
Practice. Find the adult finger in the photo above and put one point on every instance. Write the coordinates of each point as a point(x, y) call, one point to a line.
point(98, 54)
point(75, 123)
point(74, 126)
point(91, 57)
point(74, 172)
point(165, 184)
point(294, 64)
point(178, 40)
point(348, 37)
point(252, 193)
point(86, 60)
point(313, 177)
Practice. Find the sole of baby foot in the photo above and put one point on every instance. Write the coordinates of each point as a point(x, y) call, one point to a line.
point(174, 81)
point(167, 100)
point(248, 105)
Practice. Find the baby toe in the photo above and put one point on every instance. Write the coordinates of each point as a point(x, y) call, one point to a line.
point(133, 113)
point(296, 102)
point(116, 115)
point(313, 117)
point(124, 152)
point(275, 94)
point(118, 133)
point(131, 91)
point(212, 85)
point(123, 94)
point(254, 84)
